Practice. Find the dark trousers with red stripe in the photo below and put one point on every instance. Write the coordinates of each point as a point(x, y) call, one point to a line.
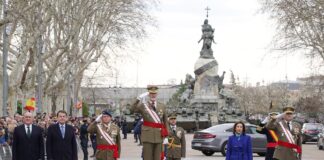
point(269, 154)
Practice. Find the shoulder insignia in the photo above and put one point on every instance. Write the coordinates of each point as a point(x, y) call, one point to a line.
point(179, 134)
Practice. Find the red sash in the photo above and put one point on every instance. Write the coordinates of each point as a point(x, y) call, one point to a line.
point(164, 131)
point(271, 144)
point(114, 148)
point(290, 145)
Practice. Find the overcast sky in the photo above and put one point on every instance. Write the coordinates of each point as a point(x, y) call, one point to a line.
point(243, 36)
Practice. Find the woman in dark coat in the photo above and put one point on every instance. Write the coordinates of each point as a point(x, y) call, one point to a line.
point(239, 145)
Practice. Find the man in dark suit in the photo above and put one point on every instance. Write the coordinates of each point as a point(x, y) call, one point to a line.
point(61, 141)
point(28, 142)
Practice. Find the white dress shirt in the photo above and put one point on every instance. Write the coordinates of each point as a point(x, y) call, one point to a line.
point(30, 128)
point(290, 124)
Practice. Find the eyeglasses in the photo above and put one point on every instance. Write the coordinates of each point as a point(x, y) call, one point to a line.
point(289, 113)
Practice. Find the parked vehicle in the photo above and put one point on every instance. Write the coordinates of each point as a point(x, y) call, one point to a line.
point(310, 132)
point(320, 140)
point(214, 139)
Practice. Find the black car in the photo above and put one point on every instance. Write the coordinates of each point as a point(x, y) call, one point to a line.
point(310, 132)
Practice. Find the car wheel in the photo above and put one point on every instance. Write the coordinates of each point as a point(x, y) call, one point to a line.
point(261, 154)
point(320, 147)
point(224, 148)
point(208, 153)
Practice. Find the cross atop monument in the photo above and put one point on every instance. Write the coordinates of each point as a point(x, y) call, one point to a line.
point(207, 9)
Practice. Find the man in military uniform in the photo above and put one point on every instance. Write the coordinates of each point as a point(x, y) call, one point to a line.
point(154, 123)
point(289, 135)
point(272, 137)
point(176, 147)
point(108, 137)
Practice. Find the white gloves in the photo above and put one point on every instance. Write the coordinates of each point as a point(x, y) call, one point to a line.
point(142, 96)
point(98, 119)
point(165, 141)
point(280, 115)
point(265, 120)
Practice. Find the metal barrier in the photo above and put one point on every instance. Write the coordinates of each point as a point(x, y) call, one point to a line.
point(5, 152)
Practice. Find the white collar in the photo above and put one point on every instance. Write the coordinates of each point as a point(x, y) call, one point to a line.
point(288, 121)
point(175, 126)
point(60, 125)
point(30, 127)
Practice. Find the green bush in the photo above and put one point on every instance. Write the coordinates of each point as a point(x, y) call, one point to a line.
point(85, 109)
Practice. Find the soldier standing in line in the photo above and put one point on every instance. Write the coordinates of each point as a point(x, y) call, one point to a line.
point(289, 135)
point(176, 148)
point(154, 123)
point(108, 137)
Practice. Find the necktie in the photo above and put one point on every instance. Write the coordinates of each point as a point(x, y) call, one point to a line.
point(173, 129)
point(153, 105)
point(288, 124)
point(28, 132)
point(62, 130)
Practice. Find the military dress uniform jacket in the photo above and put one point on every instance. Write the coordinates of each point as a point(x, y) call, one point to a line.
point(272, 139)
point(113, 131)
point(150, 134)
point(177, 143)
point(283, 152)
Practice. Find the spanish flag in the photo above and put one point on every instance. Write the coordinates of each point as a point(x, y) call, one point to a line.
point(30, 104)
point(78, 105)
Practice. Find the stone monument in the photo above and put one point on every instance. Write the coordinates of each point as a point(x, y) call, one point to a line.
point(204, 99)
point(208, 83)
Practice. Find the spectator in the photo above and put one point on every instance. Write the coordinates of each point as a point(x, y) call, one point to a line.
point(134, 125)
point(138, 130)
point(61, 141)
point(93, 139)
point(124, 128)
point(84, 138)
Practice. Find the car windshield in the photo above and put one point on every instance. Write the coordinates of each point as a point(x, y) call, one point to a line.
point(313, 126)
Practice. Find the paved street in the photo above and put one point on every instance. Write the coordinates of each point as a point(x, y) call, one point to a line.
point(130, 151)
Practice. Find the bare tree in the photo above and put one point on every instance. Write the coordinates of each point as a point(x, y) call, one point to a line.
point(75, 34)
point(300, 25)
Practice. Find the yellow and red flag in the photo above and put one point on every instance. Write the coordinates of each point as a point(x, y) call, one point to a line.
point(30, 104)
point(78, 105)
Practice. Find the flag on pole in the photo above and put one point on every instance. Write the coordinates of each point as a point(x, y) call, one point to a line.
point(30, 104)
point(78, 105)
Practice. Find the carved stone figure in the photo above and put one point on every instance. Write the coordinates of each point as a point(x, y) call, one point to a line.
point(208, 39)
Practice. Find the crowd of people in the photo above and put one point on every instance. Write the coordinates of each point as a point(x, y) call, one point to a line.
point(54, 137)
point(80, 128)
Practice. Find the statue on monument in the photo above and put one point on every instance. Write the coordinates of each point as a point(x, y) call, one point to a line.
point(208, 39)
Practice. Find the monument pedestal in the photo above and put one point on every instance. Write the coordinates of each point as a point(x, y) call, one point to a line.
point(207, 103)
